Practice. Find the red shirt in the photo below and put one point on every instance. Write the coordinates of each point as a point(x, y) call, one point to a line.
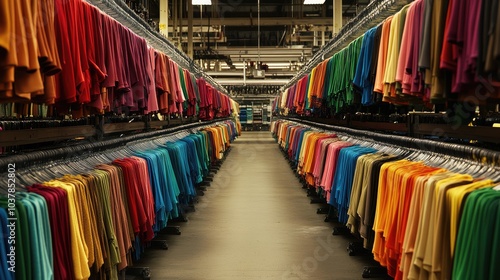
point(135, 205)
point(66, 80)
point(57, 206)
point(111, 58)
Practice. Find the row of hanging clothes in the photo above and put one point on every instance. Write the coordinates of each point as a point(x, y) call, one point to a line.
point(79, 61)
point(93, 215)
point(419, 55)
point(422, 214)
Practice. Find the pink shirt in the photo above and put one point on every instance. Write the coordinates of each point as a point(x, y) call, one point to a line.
point(331, 164)
point(150, 88)
point(320, 155)
point(404, 51)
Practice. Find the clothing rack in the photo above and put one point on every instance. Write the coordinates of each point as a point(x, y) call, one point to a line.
point(183, 143)
point(41, 157)
point(119, 10)
point(414, 150)
point(476, 154)
point(372, 15)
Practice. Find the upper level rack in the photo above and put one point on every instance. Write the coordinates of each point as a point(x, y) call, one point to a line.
point(375, 13)
point(126, 16)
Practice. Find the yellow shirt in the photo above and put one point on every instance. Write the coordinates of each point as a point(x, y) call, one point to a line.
point(85, 217)
point(454, 199)
point(310, 88)
point(393, 51)
point(416, 271)
point(79, 247)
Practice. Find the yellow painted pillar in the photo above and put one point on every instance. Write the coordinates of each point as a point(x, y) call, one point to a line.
point(337, 16)
point(164, 17)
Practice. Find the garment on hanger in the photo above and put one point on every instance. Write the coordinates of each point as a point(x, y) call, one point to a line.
point(343, 178)
point(362, 77)
point(476, 252)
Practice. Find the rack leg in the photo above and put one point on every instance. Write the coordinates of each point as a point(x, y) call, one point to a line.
point(339, 230)
point(190, 208)
point(160, 244)
point(355, 248)
point(374, 271)
point(173, 230)
point(200, 191)
point(331, 216)
point(316, 200)
point(182, 219)
point(204, 184)
point(143, 272)
point(311, 192)
point(194, 200)
point(209, 178)
point(322, 210)
point(336, 231)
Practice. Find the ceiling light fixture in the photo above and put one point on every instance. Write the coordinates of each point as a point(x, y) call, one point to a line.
point(202, 2)
point(314, 2)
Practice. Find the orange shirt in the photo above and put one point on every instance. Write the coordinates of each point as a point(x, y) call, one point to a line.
point(319, 81)
point(382, 208)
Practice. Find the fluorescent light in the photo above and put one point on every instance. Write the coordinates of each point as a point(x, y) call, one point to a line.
point(278, 64)
point(203, 2)
point(313, 2)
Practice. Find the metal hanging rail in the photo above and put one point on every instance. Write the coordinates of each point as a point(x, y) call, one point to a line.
point(375, 13)
point(43, 156)
point(476, 154)
point(118, 10)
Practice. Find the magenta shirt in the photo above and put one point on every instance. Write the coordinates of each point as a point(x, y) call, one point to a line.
point(463, 20)
point(331, 164)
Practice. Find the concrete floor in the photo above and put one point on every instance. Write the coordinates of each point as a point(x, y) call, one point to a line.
point(255, 222)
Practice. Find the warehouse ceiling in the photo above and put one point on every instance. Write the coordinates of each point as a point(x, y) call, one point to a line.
point(225, 38)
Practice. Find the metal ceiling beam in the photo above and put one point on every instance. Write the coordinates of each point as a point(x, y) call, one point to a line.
point(253, 97)
point(264, 51)
point(236, 74)
point(280, 21)
point(268, 57)
point(267, 54)
point(239, 82)
point(214, 28)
